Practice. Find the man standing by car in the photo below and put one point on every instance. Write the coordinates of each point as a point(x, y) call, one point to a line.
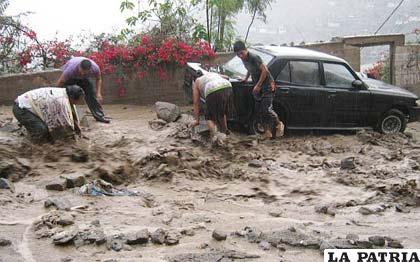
point(263, 90)
point(77, 72)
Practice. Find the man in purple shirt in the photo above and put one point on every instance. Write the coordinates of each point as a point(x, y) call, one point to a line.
point(77, 71)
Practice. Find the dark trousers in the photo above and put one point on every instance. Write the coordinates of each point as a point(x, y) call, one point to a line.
point(36, 128)
point(264, 106)
point(90, 96)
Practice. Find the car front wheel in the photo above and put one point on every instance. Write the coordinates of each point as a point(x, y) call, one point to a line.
point(392, 122)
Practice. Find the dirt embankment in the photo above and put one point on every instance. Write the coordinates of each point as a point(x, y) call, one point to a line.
point(140, 191)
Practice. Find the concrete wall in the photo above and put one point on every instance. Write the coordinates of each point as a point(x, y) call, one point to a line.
point(407, 67)
point(143, 91)
point(349, 53)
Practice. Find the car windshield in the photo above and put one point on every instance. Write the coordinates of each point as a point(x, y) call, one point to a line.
point(235, 67)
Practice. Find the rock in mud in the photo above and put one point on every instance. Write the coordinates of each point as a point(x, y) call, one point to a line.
point(253, 235)
point(172, 238)
point(325, 245)
point(371, 210)
point(65, 219)
point(65, 237)
point(352, 238)
point(324, 209)
point(392, 243)
point(293, 238)
point(377, 240)
point(90, 235)
point(213, 255)
point(275, 213)
point(363, 244)
point(255, 163)
point(159, 236)
point(5, 242)
point(115, 242)
point(80, 156)
point(157, 124)
point(59, 203)
point(402, 209)
point(188, 232)
point(116, 178)
point(75, 180)
point(264, 245)
point(219, 235)
point(56, 185)
point(137, 238)
point(167, 111)
point(6, 184)
point(348, 163)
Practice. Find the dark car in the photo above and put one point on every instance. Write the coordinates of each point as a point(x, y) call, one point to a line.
point(317, 91)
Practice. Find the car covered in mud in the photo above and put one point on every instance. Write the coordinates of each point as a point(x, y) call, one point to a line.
point(316, 91)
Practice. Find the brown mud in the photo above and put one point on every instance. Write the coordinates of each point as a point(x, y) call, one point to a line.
point(184, 200)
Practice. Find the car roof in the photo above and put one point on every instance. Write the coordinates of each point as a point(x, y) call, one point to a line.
point(297, 53)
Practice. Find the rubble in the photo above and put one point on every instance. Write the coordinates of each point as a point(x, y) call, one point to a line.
point(219, 235)
point(167, 111)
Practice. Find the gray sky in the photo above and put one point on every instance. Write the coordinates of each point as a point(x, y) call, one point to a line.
point(69, 17)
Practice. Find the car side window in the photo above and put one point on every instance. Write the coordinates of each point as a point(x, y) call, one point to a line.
point(284, 75)
point(338, 75)
point(304, 73)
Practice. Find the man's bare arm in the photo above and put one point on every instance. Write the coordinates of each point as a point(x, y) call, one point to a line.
point(61, 80)
point(99, 88)
point(196, 101)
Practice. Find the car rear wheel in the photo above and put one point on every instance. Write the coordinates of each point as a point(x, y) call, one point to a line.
point(392, 122)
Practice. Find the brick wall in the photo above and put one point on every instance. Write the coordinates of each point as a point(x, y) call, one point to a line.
point(407, 67)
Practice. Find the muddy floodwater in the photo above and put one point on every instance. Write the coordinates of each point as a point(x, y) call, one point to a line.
point(140, 190)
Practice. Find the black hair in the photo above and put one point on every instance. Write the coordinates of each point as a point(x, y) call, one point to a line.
point(74, 92)
point(199, 73)
point(239, 46)
point(86, 64)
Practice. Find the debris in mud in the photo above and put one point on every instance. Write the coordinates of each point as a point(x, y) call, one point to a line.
point(167, 111)
point(138, 238)
point(120, 175)
point(377, 240)
point(59, 203)
point(80, 156)
point(6, 184)
point(5, 242)
point(264, 245)
point(371, 210)
point(75, 180)
point(219, 235)
point(159, 236)
point(115, 242)
point(275, 213)
point(100, 187)
point(325, 209)
point(255, 163)
point(57, 184)
point(392, 243)
point(213, 255)
point(157, 124)
point(65, 237)
point(292, 238)
point(348, 163)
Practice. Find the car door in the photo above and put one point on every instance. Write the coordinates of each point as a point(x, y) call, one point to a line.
point(350, 105)
point(299, 90)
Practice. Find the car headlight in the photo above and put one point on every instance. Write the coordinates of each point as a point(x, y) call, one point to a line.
point(418, 102)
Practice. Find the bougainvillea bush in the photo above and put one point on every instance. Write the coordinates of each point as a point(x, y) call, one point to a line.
point(137, 58)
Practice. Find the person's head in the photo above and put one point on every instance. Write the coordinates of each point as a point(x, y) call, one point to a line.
point(75, 94)
point(84, 67)
point(240, 49)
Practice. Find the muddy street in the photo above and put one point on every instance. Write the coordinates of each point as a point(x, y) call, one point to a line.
point(143, 190)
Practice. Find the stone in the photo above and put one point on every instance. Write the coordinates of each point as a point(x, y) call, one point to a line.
point(137, 238)
point(75, 180)
point(324, 209)
point(5, 242)
point(293, 238)
point(325, 245)
point(255, 163)
point(172, 158)
point(352, 238)
point(395, 244)
point(159, 236)
point(92, 235)
point(188, 232)
point(115, 242)
point(365, 211)
point(275, 213)
point(6, 184)
point(59, 203)
point(111, 177)
point(57, 185)
point(65, 237)
point(66, 259)
point(377, 240)
point(167, 111)
point(264, 245)
point(364, 244)
point(219, 235)
point(348, 163)
point(65, 219)
point(401, 209)
point(253, 235)
point(172, 239)
point(80, 156)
